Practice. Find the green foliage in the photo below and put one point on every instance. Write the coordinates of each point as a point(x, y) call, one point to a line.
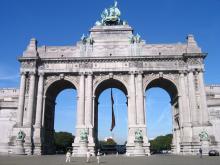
point(63, 140)
point(108, 142)
point(161, 143)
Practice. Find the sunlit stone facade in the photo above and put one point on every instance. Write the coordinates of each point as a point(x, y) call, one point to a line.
point(111, 57)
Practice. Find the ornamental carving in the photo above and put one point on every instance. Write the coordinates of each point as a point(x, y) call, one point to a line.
point(137, 64)
point(148, 78)
point(98, 79)
point(49, 80)
point(194, 61)
point(28, 64)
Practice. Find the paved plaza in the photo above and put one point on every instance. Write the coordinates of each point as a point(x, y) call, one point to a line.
point(111, 160)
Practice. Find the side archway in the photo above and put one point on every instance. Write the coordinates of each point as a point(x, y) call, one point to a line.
point(51, 93)
point(172, 89)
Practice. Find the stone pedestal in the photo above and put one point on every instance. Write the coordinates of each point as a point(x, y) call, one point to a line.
point(19, 148)
point(205, 147)
point(138, 149)
point(83, 148)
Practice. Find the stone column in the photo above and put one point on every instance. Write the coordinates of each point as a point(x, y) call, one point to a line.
point(192, 96)
point(21, 100)
point(81, 101)
point(39, 100)
point(140, 100)
point(31, 98)
point(203, 100)
point(89, 100)
point(185, 117)
point(132, 119)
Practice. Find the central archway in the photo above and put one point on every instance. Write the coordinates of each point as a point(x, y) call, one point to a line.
point(51, 94)
point(171, 88)
point(118, 87)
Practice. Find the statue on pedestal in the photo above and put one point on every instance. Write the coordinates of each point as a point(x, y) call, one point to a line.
point(19, 148)
point(84, 135)
point(138, 149)
point(111, 16)
point(138, 136)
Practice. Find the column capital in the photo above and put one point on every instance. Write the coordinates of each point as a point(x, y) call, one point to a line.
point(89, 73)
point(191, 70)
point(82, 73)
point(140, 72)
point(132, 72)
point(182, 72)
point(200, 70)
point(32, 73)
point(23, 73)
point(41, 74)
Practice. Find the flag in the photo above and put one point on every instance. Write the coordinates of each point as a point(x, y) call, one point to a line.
point(113, 114)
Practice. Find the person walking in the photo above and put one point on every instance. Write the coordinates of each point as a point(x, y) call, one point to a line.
point(88, 154)
point(200, 152)
point(68, 155)
point(98, 157)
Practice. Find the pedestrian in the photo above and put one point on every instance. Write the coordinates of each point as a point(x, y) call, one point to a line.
point(98, 157)
point(68, 155)
point(88, 156)
point(200, 152)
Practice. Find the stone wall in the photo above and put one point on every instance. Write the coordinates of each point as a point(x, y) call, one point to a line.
point(8, 112)
point(213, 102)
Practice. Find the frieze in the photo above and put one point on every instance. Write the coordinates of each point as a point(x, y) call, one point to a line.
point(137, 64)
point(214, 114)
point(194, 61)
point(28, 64)
point(86, 65)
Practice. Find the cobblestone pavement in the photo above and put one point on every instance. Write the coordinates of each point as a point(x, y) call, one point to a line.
point(111, 160)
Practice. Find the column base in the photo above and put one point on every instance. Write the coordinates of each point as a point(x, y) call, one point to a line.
point(19, 148)
point(189, 148)
point(80, 149)
point(137, 149)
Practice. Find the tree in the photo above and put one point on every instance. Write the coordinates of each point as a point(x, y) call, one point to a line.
point(161, 143)
point(63, 140)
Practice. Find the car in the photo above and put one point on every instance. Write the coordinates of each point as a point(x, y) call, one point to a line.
point(213, 153)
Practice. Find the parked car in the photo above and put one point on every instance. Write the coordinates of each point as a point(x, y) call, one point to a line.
point(213, 153)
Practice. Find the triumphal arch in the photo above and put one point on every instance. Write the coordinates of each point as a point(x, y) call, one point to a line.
point(110, 56)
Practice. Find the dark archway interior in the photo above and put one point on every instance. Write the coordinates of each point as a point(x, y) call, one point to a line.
point(110, 83)
point(49, 113)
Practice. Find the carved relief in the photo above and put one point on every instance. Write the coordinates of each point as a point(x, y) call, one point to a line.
point(27, 84)
point(148, 78)
point(98, 79)
point(86, 65)
point(194, 61)
point(28, 64)
point(137, 64)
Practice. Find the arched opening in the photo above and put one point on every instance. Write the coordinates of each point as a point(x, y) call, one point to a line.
point(162, 115)
point(104, 117)
point(59, 114)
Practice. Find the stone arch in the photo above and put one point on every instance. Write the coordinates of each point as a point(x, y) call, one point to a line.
point(120, 82)
point(170, 86)
point(103, 84)
point(52, 80)
point(167, 83)
point(53, 88)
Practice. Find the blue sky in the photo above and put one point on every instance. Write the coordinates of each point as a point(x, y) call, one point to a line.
point(62, 22)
